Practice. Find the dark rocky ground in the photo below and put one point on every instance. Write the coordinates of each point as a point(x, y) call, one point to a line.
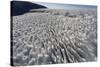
point(52, 36)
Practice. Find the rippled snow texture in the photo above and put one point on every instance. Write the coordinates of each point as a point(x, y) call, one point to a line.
point(53, 36)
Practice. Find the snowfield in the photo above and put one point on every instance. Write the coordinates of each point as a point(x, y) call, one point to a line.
point(53, 36)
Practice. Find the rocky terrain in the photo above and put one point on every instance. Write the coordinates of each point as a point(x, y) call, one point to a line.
point(54, 36)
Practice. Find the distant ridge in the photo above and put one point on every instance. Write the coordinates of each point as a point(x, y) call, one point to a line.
point(21, 7)
point(67, 6)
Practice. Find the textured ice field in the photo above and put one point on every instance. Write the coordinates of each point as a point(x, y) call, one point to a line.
point(52, 36)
